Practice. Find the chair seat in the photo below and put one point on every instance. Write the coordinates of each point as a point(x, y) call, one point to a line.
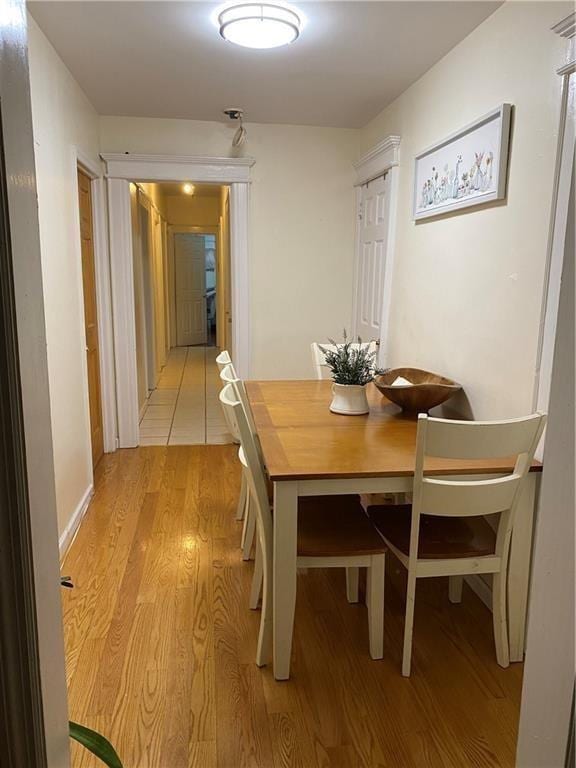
point(335, 526)
point(440, 537)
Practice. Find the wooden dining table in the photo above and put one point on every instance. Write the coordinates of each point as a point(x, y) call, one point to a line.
point(309, 451)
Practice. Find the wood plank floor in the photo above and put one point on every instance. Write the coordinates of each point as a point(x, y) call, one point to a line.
point(160, 643)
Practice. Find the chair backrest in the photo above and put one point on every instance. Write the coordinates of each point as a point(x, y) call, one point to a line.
point(228, 375)
point(256, 473)
point(223, 360)
point(450, 439)
point(318, 358)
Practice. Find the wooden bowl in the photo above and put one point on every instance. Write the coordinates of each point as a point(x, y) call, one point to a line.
point(426, 390)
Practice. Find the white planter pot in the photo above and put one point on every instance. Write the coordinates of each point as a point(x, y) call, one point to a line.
point(349, 399)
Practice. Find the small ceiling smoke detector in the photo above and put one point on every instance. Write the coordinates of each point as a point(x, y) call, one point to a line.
point(259, 25)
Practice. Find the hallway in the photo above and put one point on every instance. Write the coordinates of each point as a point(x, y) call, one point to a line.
point(184, 408)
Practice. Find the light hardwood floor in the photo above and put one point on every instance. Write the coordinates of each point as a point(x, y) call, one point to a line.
point(160, 643)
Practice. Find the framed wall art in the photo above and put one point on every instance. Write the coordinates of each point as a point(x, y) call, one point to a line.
point(467, 168)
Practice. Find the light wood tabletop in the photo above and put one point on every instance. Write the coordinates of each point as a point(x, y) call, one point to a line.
point(310, 451)
point(301, 438)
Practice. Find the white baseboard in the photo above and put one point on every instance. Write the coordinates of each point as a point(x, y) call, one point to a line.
point(70, 531)
point(481, 588)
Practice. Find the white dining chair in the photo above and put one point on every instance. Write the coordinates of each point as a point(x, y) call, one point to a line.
point(223, 359)
point(319, 359)
point(444, 531)
point(333, 532)
point(244, 511)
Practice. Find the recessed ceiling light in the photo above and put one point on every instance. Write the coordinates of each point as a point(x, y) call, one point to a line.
point(259, 25)
point(188, 189)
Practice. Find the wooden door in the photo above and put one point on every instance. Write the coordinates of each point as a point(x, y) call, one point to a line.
point(190, 268)
point(371, 259)
point(90, 317)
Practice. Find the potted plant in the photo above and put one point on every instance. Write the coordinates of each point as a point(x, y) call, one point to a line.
point(352, 365)
point(92, 740)
point(96, 743)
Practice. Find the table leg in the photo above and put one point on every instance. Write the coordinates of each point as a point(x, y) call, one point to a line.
point(519, 567)
point(284, 566)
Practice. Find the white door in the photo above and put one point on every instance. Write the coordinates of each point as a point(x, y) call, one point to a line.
point(190, 271)
point(371, 259)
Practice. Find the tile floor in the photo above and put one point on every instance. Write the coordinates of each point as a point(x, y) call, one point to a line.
point(184, 408)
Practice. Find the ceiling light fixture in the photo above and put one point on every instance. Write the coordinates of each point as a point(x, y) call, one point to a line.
point(188, 189)
point(259, 25)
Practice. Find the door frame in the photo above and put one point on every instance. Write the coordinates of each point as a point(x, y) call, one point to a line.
point(547, 738)
point(121, 169)
point(83, 161)
point(37, 733)
point(381, 160)
point(555, 247)
point(174, 229)
point(149, 299)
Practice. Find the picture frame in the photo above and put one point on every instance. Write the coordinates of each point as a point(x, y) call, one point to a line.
point(467, 168)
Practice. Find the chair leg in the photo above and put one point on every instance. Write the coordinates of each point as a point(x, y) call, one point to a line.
point(248, 532)
point(242, 499)
point(455, 588)
point(264, 649)
point(409, 624)
point(499, 618)
point(352, 584)
point(257, 577)
point(375, 601)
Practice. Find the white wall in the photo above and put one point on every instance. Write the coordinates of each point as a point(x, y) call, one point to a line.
point(467, 289)
point(301, 229)
point(62, 118)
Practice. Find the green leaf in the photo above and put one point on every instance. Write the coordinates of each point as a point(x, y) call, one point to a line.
point(95, 743)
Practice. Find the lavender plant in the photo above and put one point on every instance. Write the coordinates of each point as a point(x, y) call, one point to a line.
point(349, 362)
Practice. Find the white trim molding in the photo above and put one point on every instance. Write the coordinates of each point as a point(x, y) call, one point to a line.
point(566, 27)
point(215, 170)
point(378, 160)
point(559, 213)
point(74, 523)
point(122, 272)
point(240, 277)
point(123, 169)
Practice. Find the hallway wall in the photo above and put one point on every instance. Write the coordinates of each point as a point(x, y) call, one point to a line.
point(63, 118)
point(301, 228)
point(186, 211)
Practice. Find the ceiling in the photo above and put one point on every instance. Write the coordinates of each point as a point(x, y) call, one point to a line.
point(166, 59)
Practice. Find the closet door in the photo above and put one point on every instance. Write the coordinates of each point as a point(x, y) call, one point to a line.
point(373, 216)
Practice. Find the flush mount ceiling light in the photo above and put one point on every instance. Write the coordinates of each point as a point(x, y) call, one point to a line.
point(188, 189)
point(259, 25)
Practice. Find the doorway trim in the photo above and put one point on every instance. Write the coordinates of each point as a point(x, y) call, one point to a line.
point(93, 170)
point(124, 168)
point(557, 233)
point(381, 160)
